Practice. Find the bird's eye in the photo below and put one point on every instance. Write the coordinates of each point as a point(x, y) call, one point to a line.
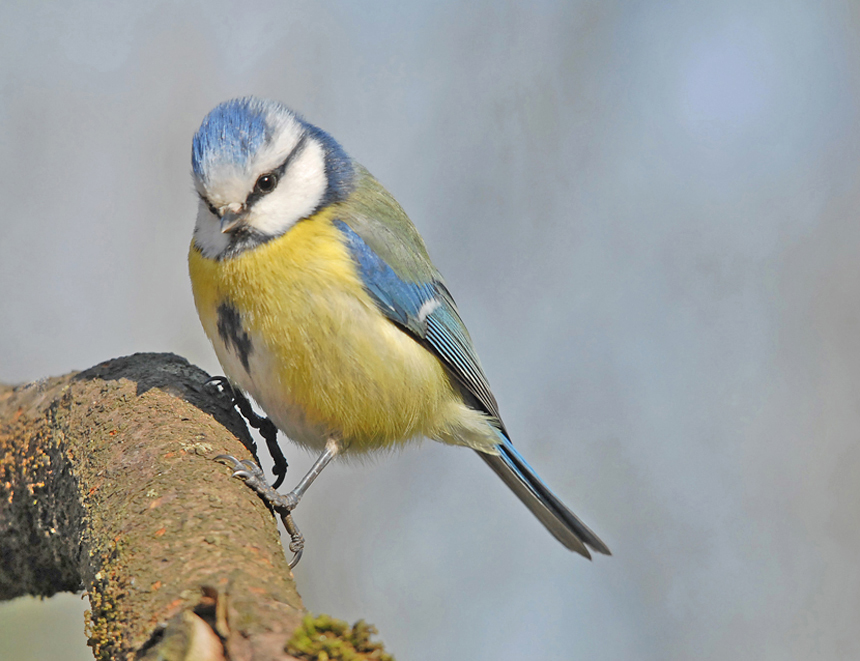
point(266, 183)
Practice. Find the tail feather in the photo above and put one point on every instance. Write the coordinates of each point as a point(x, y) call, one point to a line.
point(521, 478)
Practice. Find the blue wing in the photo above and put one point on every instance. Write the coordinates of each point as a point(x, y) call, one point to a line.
point(427, 311)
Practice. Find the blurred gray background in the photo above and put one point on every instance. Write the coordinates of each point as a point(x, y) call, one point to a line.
point(647, 212)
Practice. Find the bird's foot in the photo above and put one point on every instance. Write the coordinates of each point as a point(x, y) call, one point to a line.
point(253, 476)
point(264, 425)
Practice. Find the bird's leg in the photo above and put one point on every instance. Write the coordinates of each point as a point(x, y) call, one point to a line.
point(265, 426)
point(332, 448)
point(284, 505)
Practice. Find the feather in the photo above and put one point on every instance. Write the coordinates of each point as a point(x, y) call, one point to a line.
point(426, 310)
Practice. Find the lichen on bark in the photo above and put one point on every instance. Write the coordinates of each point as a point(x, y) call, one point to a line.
point(107, 483)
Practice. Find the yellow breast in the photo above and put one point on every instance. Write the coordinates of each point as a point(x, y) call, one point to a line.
point(321, 358)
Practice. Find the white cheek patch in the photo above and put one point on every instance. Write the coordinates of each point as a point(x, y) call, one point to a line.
point(207, 233)
point(299, 192)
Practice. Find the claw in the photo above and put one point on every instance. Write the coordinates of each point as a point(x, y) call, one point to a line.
point(228, 457)
point(283, 504)
point(220, 384)
point(244, 469)
point(297, 540)
point(250, 473)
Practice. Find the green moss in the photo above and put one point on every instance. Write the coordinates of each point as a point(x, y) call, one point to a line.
point(323, 638)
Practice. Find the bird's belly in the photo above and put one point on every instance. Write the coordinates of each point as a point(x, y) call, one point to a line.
point(293, 326)
point(261, 380)
point(338, 368)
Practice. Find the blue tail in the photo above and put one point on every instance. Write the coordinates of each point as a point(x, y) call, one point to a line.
point(521, 478)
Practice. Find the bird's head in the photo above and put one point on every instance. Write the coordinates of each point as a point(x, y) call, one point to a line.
point(259, 168)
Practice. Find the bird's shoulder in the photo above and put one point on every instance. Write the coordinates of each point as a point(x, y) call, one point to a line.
point(378, 219)
point(397, 272)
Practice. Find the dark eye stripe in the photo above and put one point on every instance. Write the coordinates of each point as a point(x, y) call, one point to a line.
point(210, 206)
point(278, 173)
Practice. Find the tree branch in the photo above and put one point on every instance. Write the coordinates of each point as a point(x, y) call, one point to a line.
point(107, 483)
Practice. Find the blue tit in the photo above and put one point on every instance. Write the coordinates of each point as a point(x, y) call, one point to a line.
point(321, 302)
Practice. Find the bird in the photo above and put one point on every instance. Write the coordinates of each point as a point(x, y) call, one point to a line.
point(321, 302)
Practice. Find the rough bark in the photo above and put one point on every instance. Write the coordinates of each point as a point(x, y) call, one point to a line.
point(107, 483)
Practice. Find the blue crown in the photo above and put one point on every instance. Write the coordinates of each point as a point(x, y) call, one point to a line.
point(232, 133)
point(235, 130)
